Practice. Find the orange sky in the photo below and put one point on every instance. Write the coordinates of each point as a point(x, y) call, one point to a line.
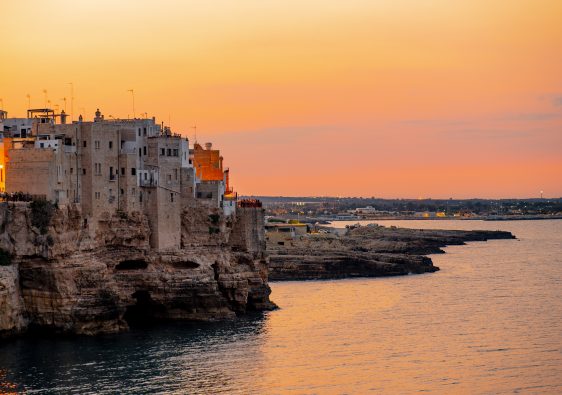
point(388, 98)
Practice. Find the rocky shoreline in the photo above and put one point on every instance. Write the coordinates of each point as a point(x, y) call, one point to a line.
point(369, 251)
point(66, 278)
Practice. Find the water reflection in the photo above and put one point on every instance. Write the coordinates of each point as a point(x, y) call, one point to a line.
point(489, 322)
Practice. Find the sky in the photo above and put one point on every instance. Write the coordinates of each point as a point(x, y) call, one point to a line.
point(385, 98)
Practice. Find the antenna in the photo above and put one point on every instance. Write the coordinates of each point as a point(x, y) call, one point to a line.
point(64, 100)
point(45, 93)
point(28, 101)
point(133, 96)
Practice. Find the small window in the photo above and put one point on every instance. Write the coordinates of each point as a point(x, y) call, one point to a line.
point(97, 144)
point(111, 145)
point(122, 191)
point(140, 152)
point(144, 131)
point(84, 144)
point(41, 145)
point(169, 177)
point(171, 197)
point(84, 171)
point(122, 171)
point(169, 152)
point(72, 170)
point(162, 151)
point(175, 152)
point(144, 150)
point(139, 132)
point(133, 171)
point(146, 176)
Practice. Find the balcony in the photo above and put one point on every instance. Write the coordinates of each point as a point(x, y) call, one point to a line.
point(151, 183)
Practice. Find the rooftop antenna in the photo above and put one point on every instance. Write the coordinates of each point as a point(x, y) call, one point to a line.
point(133, 96)
point(28, 101)
point(71, 101)
point(45, 93)
point(64, 100)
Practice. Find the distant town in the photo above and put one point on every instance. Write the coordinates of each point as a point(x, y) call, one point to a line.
point(313, 209)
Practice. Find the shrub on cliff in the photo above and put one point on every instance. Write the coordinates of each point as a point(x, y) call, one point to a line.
point(5, 258)
point(41, 214)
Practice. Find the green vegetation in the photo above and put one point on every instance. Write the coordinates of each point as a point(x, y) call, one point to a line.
point(41, 214)
point(5, 258)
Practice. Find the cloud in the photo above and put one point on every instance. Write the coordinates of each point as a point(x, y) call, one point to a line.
point(557, 101)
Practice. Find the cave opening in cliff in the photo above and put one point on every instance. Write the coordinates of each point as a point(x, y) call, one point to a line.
point(145, 311)
point(132, 264)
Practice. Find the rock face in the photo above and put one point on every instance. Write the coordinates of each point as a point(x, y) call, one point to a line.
point(69, 280)
point(369, 251)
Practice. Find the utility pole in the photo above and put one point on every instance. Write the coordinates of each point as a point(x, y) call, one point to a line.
point(133, 97)
point(71, 101)
point(194, 127)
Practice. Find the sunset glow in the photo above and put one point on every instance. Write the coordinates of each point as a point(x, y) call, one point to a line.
point(358, 98)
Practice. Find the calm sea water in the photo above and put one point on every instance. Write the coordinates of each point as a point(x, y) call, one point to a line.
point(489, 322)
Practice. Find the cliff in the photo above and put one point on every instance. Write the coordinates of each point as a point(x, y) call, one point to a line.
point(59, 274)
point(370, 251)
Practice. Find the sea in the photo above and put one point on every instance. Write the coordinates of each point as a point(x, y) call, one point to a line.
point(489, 322)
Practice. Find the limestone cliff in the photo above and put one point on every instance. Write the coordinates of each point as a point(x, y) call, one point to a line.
point(73, 277)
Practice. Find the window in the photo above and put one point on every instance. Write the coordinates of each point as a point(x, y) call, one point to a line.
point(175, 152)
point(122, 191)
point(133, 191)
point(172, 197)
point(144, 131)
point(122, 171)
point(97, 168)
point(140, 197)
point(98, 195)
point(145, 176)
point(169, 177)
point(84, 143)
point(162, 151)
point(139, 132)
point(41, 145)
point(169, 152)
point(83, 171)
point(140, 152)
point(111, 145)
point(97, 144)
point(72, 170)
point(144, 150)
point(133, 171)
point(176, 174)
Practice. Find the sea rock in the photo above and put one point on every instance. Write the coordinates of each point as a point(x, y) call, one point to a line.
point(369, 251)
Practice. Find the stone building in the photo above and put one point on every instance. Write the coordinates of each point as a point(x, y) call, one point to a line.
point(108, 166)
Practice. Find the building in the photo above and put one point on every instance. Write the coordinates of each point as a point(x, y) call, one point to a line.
point(113, 166)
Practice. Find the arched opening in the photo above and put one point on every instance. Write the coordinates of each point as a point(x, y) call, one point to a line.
point(145, 311)
point(132, 264)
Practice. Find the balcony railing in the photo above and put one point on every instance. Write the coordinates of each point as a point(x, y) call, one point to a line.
point(151, 183)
